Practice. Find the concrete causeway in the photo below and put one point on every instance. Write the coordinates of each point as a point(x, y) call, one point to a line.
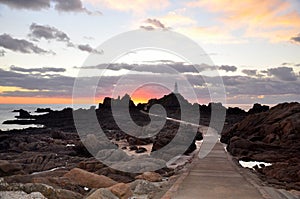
point(217, 177)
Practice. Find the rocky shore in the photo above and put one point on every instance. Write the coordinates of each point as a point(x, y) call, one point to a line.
point(272, 137)
point(58, 162)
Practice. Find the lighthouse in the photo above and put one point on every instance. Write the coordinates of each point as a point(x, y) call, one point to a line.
point(175, 88)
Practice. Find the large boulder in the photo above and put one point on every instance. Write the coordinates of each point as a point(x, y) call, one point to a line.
point(89, 179)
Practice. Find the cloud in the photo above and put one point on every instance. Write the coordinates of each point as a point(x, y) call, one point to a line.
point(38, 32)
point(156, 23)
point(20, 45)
point(28, 4)
point(249, 72)
point(148, 28)
point(283, 73)
point(89, 49)
point(296, 39)
point(275, 20)
point(177, 18)
point(38, 70)
point(49, 33)
point(238, 88)
point(163, 67)
point(62, 6)
point(228, 68)
point(73, 6)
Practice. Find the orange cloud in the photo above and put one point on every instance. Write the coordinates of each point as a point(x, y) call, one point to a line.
point(276, 20)
point(177, 19)
point(136, 6)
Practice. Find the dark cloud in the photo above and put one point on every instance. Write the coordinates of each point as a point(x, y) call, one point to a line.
point(249, 72)
point(155, 23)
point(228, 68)
point(296, 38)
point(20, 45)
point(38, 70)
point(283, 73)
point(38, 32)
point(56, 85)
point(88, 48)
point(2, 53)
point(148, 28)
point(163, 67)
point(47, 32)
point(59, 5)
point(27, 4)
point(289, 64)
point(73, 6)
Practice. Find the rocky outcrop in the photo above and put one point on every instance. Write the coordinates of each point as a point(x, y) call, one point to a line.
point(272, 136)
point(258, 108)
point(22, 114)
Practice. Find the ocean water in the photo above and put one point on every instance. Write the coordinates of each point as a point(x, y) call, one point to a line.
point(7, 114)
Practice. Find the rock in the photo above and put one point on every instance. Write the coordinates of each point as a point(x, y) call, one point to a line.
point(66, 194)
point(20, 194)
point(141, 150)
point(7, 168)
point(58, 135)
point(270, 136)
point(113, 155)
point(143, 187)
point(258, 108)
point(150, 176)
point(46, 190)
point(133, 148)
point(22, 114)
point(121, 190)
point(102, 194)
point(43, 110)
point(88, 179)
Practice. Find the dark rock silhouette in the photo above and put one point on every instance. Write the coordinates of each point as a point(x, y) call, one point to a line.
point(271, 136)
point(258, 108)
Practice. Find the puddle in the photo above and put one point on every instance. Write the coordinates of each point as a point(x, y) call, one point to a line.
point(251, 164)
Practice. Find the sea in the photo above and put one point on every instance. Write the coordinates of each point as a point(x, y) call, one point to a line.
point(7, 114)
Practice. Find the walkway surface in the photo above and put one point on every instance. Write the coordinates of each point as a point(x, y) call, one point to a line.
point(216, 176)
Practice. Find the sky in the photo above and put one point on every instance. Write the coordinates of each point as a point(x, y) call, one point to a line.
point(253, 45)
